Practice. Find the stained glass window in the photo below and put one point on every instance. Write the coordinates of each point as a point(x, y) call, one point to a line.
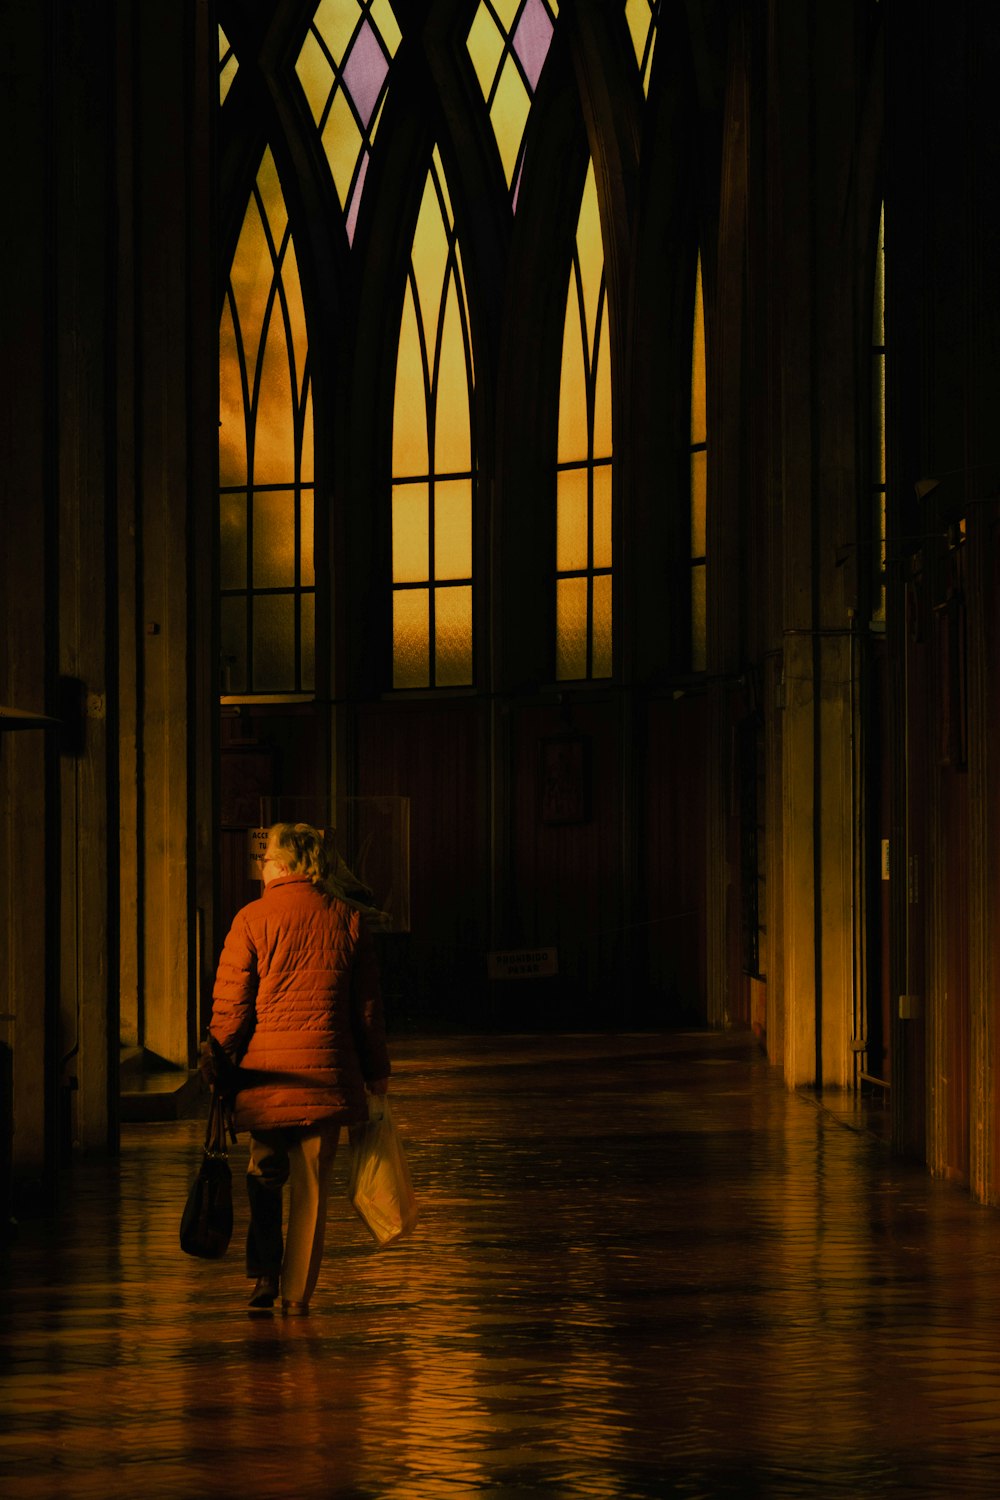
point(878, 418)
point(344, 67)
point(699, 479)
point(584, 467)
point(508, 43)
point(227, 66)
point(641, 16)
point(433, 458)
point(265, 459)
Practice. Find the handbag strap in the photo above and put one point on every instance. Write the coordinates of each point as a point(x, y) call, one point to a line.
point(220, 1124)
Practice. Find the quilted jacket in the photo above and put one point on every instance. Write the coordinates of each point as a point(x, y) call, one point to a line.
point(296, 1004)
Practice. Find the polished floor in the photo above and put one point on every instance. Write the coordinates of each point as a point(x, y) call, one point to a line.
point(643, 1269)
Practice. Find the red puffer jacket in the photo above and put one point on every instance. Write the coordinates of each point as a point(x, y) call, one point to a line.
point(296, 1003)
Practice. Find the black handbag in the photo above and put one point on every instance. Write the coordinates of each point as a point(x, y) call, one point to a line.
point(207, 1220)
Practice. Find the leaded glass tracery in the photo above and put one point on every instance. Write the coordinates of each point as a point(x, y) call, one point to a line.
point(642, 16)
point(227, 66)
point(344, 66)
point(508, 43)
point(433, 458)
point(267, 570)
point(584, 466)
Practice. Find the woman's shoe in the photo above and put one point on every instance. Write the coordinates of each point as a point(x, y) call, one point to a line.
point(264, 1294)
point(294, 1309)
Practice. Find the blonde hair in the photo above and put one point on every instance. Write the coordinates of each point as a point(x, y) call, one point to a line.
point(301, 847)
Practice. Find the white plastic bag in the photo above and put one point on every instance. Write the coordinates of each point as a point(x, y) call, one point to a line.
point(380, 1190)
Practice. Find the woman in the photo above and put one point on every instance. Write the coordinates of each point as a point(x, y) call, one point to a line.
point(296, 1005)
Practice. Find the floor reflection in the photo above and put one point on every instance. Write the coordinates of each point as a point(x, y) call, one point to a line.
point(643, 1269)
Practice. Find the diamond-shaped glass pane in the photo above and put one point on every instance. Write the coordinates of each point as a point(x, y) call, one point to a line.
point(365, 71)
point(532, 36)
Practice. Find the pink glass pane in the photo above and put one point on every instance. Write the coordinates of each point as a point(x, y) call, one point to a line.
point(365, 73)
point(532, 38)
point(355, 203)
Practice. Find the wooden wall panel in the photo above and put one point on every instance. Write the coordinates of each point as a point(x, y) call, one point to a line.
point(433, 754)
point(565, 879)
point(675, 858)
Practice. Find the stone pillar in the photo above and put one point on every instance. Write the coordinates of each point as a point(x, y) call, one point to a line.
point(167, 247)
point(815, 314)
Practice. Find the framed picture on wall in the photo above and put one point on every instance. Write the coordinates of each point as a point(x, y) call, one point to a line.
point(564, 779)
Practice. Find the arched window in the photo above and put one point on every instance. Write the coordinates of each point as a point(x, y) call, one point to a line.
point(267, 574)
point(699, 479)
point(433, 458)
point(583, 478)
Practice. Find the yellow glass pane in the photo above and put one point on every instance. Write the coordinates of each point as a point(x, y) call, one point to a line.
point(601, 643)
point(485, 45)
point(307, 642)
point(223, 44)
point(274, 540)
point(590, 248)
point(342, 143)
point(335, 21)
point(232, 432)
point(699, 493)
point(226, 79)
point(233, 541)
point(373, 127)
point(506, 12)
point(571, 628)
point(381, 14)
point(699, 654)
point(452, 450)
point(602, 389)
point(274, 643)
point(410, 539)
point(573, 437)
point(637, 14)
point(430, 254)
point(307, 562)
point(572, 553)
point(453, 529)
point(251, 275)
point(296, 311)
point(462, 283)
point(699, 425)
point(602, 516)
point(274, 434)
point(315, 75)
point(410, 638)
point(409, 423)
point(306, 474)
point(269, 187)
point(509, 116)
point(449, 212)
point(453, 637)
